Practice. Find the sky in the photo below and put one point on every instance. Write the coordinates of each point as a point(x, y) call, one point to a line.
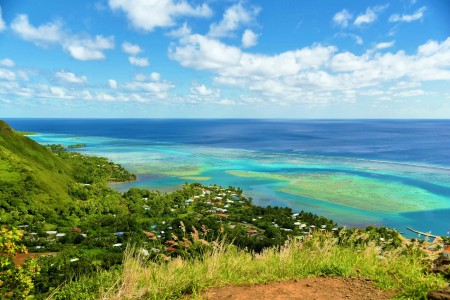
point(224, 59)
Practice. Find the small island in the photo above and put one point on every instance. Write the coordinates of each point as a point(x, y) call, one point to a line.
point(77, 146)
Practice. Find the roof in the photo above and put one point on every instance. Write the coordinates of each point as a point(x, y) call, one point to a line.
point(447, 249)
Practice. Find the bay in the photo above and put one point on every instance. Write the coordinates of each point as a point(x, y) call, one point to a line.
point(358, 172)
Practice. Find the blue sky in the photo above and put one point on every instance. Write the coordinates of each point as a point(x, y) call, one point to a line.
point(232, 59)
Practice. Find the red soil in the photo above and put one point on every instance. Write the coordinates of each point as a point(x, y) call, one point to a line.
point(309, 288)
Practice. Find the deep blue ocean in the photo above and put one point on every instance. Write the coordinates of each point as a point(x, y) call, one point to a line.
point(382, 172)
point(416, 141)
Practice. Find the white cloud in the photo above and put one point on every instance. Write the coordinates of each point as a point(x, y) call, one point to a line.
point(81, 48)
point(418, 15)
point(69, 77)
point(159, 89)
point(131, 49)
point(138, 61)
point(409, 93)
point(41, 35)
point(384, 45)
point(88, 48)
point(155, 76)
point(150, 14)
point(233, 18)
point(310, 74)
point(7, 74)
point(401, 85)
point(2, 22)
point(112, 84)
point(60, 93)
point(184, 30)
point(202, 90)
point(249, 39)
point(342, 18)
point(370, 15)
point(6, 62)
point(146, 87)
point(203, 53)
point(358, 40)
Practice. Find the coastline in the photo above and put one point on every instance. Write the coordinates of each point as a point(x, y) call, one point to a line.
point(172, 165)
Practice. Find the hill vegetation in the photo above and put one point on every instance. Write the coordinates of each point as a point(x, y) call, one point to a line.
point(174, 243)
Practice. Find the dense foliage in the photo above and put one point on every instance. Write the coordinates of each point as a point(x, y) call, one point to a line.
point(16, 282)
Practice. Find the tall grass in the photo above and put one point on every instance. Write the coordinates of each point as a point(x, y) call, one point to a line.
point(400, 270)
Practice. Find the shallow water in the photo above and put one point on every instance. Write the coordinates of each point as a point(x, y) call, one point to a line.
point(395, 186)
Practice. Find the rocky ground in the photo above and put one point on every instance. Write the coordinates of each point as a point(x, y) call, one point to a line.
point(442, 266)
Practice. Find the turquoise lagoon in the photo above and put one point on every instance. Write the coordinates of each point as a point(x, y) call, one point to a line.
point(351, 191)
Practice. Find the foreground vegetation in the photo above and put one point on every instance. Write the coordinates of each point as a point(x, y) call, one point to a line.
point(401, 270)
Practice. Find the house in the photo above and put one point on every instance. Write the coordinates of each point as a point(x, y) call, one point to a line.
point(118, 233)
point(60, 235)
point(117, 245)
point(149, 234)
point(252, 232)
point(75, 229)
point(446, 252)
point(222, 215)
point(170, 249)
point(50, 232)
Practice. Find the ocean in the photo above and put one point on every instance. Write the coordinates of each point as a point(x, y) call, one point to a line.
point(393, 173)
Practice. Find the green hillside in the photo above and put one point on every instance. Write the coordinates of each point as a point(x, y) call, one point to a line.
point(33, 181)
point(40, 183)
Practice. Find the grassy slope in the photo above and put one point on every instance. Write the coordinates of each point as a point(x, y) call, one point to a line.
point(26, 165)
point(400, 270)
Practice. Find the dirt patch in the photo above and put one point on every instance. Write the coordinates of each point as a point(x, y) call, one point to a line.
point(309, 288)
point(20, 258)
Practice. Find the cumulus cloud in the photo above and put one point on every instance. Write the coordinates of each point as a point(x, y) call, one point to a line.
point(112, 84)
point(69, 77)
point(202, 90)
point(201, 52)
point(89, 48)
point(418, 15)
point(155, 76)
point(358, 40)
point(7, 74)
point(234, 17)
point(46, 33)
point(150, 14)
point(370, 15)
point(384, 45)
point(6, 62)
point(81, 48)
point(131, 49)
point(249, 39)
point(2, 22)
point(311, 73)
point(342, 18)
point(180, 32)
point(401, 85)
point(138, 61)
